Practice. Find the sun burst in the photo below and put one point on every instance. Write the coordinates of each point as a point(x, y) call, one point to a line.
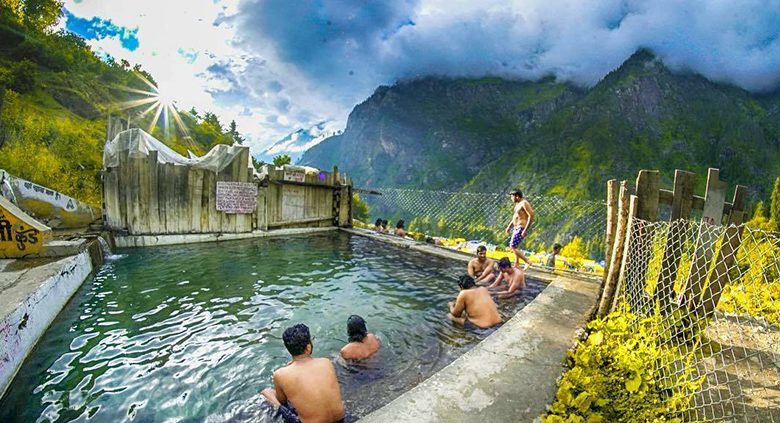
point(160, 103)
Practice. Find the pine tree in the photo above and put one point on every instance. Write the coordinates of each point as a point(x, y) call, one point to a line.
point(774, 206)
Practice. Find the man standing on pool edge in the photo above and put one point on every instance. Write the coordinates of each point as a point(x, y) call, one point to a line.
point(522, 217)
point(305, 390)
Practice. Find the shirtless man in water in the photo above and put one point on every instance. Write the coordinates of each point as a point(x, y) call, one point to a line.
point(522, 217)
point(481, 267)
point(481, 310)
point(361, 343)
point(514, 278)
point(305, 390)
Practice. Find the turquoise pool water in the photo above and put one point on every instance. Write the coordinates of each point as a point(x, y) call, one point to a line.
point(193, 333)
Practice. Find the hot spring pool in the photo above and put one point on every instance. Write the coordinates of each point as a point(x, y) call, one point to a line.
point(193, 333)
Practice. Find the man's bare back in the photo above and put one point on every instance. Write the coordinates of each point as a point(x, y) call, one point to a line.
point(477, 303)
point(361, 350)
point(310, 385)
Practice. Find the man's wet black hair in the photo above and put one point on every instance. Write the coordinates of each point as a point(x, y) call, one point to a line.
point(504, 263)
point(378, 222)
point(518, 192)
point(356, 328)
point(384, 222)
point(557, 246)
point(466, 282)
point(481, 248)
point(296, 338)
point(400, 224)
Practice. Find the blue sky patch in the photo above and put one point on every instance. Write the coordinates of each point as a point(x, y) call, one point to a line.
point(98, 29)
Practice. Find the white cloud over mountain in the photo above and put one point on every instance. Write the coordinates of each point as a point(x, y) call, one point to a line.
point(275, 67)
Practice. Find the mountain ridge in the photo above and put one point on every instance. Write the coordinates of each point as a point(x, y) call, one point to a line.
point(559, 139)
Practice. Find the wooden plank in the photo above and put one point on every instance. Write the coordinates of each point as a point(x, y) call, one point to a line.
point(647, 191)
point(154, 196)
point(616, 247)
point(134, 205)
point(204, 200)
point(171, 211)
point(196, 194)
point(624, 248)
point(712, 216)
point(681, 210)
point(262, 210)
point(727, 256)
point(123, 182)
point(111, 198)
point(185, 202)
point(215, 217)
point(161, 203)
point(144, 194)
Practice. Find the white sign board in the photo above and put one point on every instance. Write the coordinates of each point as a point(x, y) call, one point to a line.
point(236, 197)
point(297, 175)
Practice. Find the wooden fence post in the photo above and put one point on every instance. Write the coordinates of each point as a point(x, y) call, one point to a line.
point(682, 202)
point(728, 252)
point(612, 216)
point(617, 252)
point(712, 216)
point(627, 259)
point(648, 192)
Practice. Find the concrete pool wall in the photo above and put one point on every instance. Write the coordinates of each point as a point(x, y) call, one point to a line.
point(32, 297)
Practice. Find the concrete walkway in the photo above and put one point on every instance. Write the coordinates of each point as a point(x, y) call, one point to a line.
point(511, 376)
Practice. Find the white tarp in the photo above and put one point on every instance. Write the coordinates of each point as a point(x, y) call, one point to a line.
point(139, 144)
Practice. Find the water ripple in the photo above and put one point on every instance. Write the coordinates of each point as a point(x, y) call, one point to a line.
point(194, 332)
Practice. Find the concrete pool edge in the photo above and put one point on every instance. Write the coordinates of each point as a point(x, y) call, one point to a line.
point(132, 241)
point(512, 374)
point(42, 292)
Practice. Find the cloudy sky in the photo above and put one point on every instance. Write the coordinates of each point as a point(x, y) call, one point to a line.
point(278, 65)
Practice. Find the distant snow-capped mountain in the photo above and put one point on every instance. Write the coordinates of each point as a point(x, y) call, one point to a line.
point(296, 143)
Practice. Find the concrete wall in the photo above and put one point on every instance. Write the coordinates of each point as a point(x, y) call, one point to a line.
point(54, 209)
point(31, 298)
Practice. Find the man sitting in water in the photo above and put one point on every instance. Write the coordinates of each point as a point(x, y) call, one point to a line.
point(399, 229)
point(481, 267)
point(306, 389)
point(361, 343)
point(479, 306)
point(378, 225)
point(512, 275)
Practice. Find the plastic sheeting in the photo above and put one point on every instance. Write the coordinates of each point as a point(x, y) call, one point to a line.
point(139, 144)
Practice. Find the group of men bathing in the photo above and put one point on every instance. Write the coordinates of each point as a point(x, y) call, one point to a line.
point(307, 389)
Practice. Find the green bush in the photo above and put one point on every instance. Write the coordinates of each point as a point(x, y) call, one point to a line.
point(622, 374)
point(25, 76)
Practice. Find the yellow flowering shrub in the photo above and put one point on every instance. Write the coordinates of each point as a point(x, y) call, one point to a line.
point(621, 373)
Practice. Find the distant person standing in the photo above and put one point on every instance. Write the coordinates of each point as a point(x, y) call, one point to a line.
point(551, 258)
point(522, 218)
point(306, 389)
point(399, 229)
point(361, 343)
point(481, 267)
